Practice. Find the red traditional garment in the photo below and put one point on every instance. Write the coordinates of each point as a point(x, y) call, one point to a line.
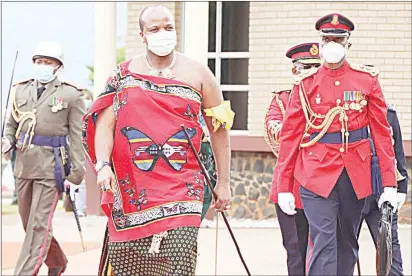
point(159, 184)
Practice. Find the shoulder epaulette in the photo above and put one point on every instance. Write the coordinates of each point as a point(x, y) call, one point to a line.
point(72, 85)
point(22, 82)
point(278, 91)
point(370, 69)
point(305, 74)
point(391, 107)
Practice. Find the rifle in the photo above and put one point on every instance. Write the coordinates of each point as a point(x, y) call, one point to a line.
point(8, 94)
point(215, 197)
point(384, 249)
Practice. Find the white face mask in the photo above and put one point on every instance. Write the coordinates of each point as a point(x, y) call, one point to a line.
point(162, 43)
point(45, 73)
point(332, 52)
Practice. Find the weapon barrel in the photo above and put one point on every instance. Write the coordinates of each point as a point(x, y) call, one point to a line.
point(8, 95)
point(207, 177)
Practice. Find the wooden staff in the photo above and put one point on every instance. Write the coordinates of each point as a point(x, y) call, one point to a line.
point(215, 197)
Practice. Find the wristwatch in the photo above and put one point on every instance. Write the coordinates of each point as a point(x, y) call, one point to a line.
point(100, 164)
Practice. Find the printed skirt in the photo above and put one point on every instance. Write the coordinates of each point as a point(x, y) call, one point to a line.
point(177, 255)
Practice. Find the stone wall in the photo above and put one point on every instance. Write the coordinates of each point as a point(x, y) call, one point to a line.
point(251, 179)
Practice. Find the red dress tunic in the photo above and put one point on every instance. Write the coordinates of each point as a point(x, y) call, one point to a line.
point(159, 184)
point(318, 167)
point(274, 115)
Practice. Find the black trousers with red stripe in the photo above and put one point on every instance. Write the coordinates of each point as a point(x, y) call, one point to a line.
point(295, 239)
point(333, 226)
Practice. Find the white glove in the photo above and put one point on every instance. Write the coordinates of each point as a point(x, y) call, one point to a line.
point(389, 195)
point(5, 145)
point(401, 200)
point(287, 203)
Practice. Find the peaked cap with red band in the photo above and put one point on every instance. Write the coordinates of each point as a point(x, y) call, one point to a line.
point(334, 23)
point(307, 53)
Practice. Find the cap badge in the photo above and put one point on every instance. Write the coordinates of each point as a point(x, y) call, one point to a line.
point(314, 50)
point(335, 20)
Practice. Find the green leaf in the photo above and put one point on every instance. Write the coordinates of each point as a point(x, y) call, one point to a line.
point(120, 57)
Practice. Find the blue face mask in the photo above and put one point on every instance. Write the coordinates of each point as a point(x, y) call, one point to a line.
point(44, 73)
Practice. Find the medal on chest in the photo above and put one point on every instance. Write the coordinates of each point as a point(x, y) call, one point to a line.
point(57, 104)
point(354, 100)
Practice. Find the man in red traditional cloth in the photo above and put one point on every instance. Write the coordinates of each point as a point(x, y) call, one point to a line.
point(152, 184)
point(294, 228)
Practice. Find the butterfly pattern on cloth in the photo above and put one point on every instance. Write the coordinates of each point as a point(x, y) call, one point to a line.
point(117, 105)
point(171, 210)
point(112, 83)
point(189, 112)
point(125, 182)
point(136, 200)
point(199, 179)
point(120, 221)
point(208, 160)
point(147, 152)
point(192, 192)
point(141, 200)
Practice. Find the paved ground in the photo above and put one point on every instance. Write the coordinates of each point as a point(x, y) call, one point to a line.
point(261, 247)
point(259, 241)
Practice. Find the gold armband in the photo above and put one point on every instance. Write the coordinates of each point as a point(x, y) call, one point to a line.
point(222, 116)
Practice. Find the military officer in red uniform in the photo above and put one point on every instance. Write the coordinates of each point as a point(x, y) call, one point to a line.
point(324, 146)
point(295, 227)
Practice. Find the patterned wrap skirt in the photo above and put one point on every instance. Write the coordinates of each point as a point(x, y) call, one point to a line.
point(177, 255)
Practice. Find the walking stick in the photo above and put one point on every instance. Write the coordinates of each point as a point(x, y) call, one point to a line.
point(103, 265)
point(8, 95)
point(358, 265)
point(207, 177)
point(76, 216)
point(217, 239)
